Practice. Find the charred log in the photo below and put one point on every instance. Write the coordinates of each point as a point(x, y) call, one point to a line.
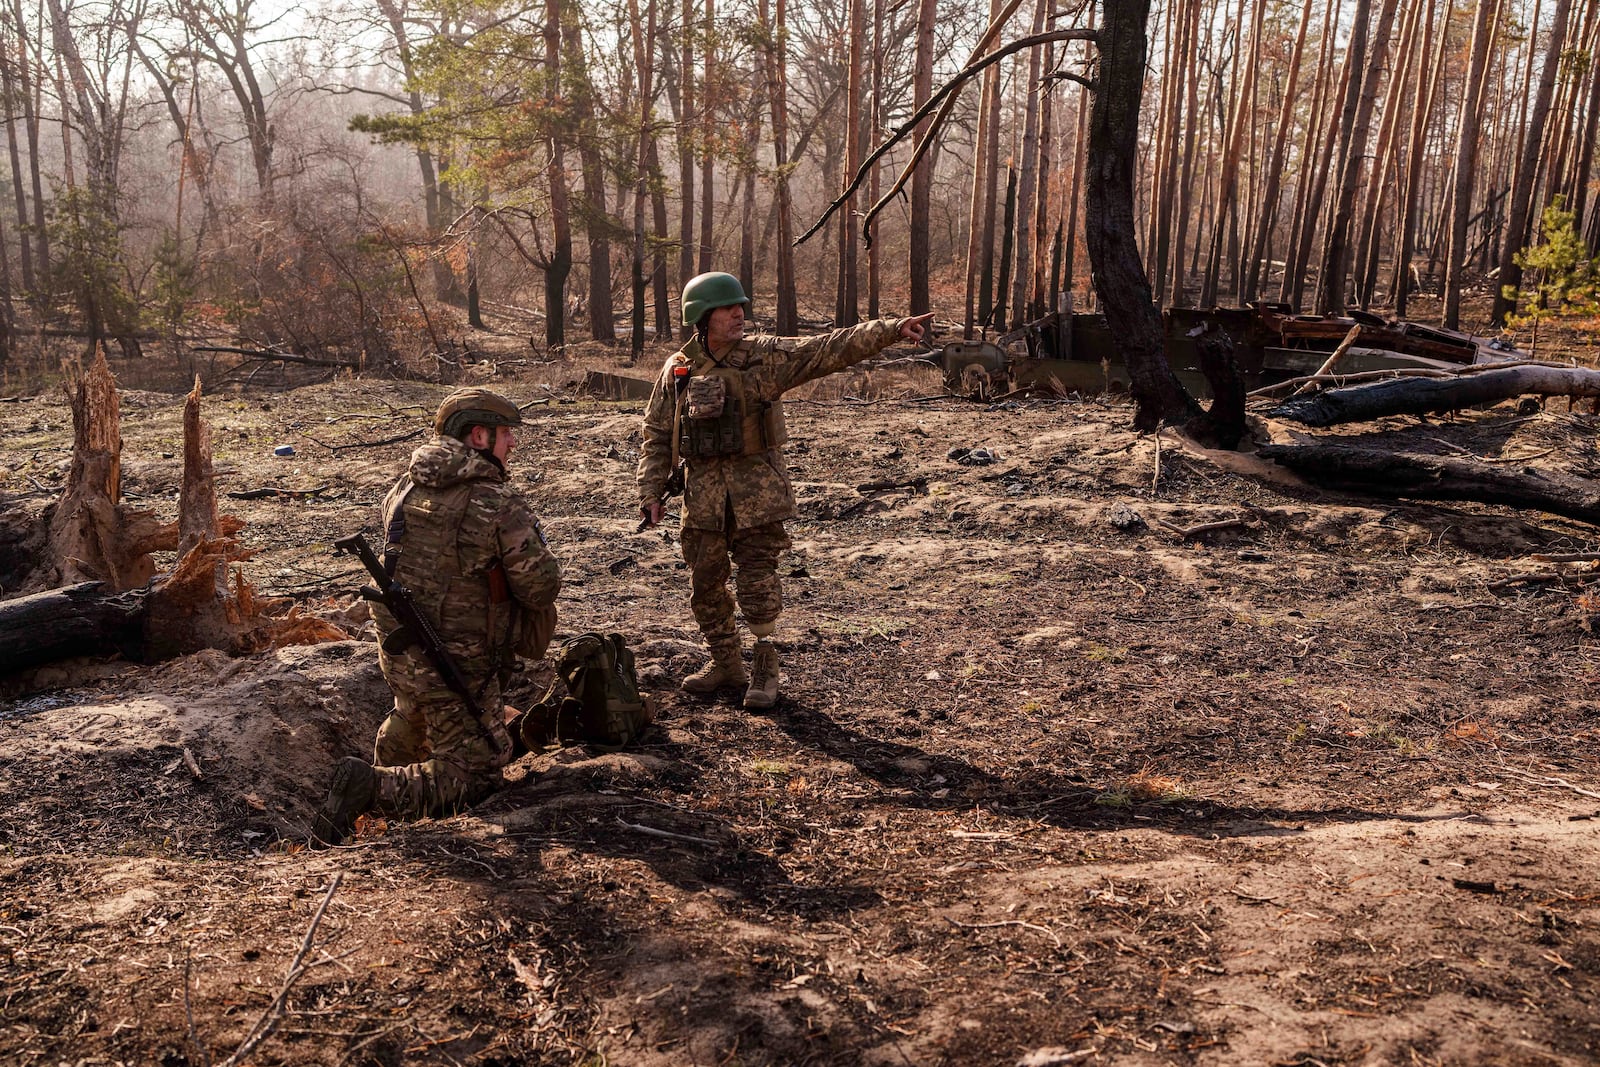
point(1374, 472)
point(1424, 396)
point(78, 620)
point(1223, 423)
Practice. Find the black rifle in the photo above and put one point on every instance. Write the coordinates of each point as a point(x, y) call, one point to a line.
point(415, 627)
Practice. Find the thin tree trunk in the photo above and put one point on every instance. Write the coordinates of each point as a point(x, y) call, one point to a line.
point(1274, 178)
point(560, 265)
point(1412, 184)
point(777, 71)
point(982, 204)
point(686, 121)
point(1519, 212)
point(1312, 161)
point(1388, 152)
point(710, 100)
point(1240, 119)
point(922, 178)
point(1466, 162)
point(1027, 179)
point(1364, 75)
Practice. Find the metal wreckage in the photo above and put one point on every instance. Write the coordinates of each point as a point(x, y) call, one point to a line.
point(1066, 352)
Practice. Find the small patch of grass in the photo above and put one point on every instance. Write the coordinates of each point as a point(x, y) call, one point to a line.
point(771, 768)
point(1145, 787)
point(1105, 653)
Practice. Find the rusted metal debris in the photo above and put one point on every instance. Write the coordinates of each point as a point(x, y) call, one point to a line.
point(1065, 353)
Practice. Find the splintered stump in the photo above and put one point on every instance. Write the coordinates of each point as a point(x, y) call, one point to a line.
point(1404, 474)
point(93, 535)
point(204, 602)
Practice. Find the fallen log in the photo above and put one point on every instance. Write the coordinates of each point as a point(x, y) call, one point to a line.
point(1425, 396)
point(76, 620)
point(1407, 474)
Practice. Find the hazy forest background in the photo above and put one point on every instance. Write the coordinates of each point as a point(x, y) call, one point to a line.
point(362, 182)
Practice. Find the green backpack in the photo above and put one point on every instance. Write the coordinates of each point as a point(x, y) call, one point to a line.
point(603, 707)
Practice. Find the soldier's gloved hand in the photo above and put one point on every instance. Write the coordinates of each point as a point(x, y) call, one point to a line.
point(912, 329)
point(652, 514)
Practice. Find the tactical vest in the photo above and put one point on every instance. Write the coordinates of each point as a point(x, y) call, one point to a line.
point(744, 428)
point(468, 607)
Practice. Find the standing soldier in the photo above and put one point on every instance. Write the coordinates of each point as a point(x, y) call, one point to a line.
point(715, 422)
point(470, 550)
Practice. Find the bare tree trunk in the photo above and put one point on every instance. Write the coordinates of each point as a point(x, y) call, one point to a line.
point(847, 305)
point(1240, 120)
point(922, 178)
point(1274, 178)
point(1119, 276)
point(560, 265)
point(1412, 183)
point(1466, 162)
point(778, 89)
point(1519, 213)
point(1027, 179)
point(9, 85)
point(644, 33)
point(1314, 151)
point(1368, 240)
point(1185, 190)
point(686, 120)
point(1038, 299)
point(710, 100)
point(1364, 74)
point(602, 318)
point(982, 202)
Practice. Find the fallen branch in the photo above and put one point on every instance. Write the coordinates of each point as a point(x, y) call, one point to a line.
point(270, 490)
point(365, 444)
point(1186, 532)
point(1551, 781)
point(1425, 396)
point(919, 482)
point(668, 834)
point(1406, 474)
point(1333, 360)
point(1346, 379)
point(275, 356)
point(274, 1014)
point(1566, 557)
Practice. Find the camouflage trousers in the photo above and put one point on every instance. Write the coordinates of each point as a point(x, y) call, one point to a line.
point(430, 758)
point(753, 554)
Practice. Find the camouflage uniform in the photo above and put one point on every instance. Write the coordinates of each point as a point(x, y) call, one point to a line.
point(735, 505)
point(473, 554)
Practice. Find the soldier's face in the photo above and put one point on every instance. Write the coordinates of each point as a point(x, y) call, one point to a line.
point(726, 326)
point(504, 441)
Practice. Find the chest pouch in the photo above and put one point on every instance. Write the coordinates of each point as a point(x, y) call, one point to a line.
point(719, 436)
point(707, 396)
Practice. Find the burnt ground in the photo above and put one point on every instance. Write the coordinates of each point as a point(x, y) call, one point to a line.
point(1316, 788)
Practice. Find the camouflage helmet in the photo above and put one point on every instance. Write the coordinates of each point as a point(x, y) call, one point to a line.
point(474, 407)
point(707, 292)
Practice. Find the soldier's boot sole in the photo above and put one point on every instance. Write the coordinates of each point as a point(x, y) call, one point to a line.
point(354, 789)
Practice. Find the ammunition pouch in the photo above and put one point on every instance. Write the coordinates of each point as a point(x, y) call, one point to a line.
point(719, 436)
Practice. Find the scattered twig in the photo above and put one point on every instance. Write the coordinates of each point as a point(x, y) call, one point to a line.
point(365, 444)
point(1007, 922)
point(192, 763)
point(272, 490)
point(1186, 532)
point(1515, 459)
point(274, 1014)
point(884, 485)
point(1551, 780)
point(1532, 578)
point(668, 834)
point(188, 1009)
point(1566, 557)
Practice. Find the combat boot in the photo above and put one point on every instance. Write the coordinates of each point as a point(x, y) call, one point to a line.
point(354, 790)
point(763, 691)
point(725, 669)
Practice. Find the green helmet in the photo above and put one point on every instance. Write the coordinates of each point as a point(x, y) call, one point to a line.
point(474, 407)
point(707, 292)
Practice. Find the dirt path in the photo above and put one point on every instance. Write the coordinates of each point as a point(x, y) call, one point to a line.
point(1311, 788)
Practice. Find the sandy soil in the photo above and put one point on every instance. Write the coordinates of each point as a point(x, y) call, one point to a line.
point(1316, 788)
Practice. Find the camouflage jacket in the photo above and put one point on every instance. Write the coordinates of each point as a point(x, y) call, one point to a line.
point(472, 552)
point(754, 486)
